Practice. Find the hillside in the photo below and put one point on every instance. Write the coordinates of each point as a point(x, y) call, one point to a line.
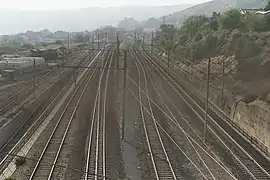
point(241, 40)
point(214, 6)
point(205, 8)
point(77, 20)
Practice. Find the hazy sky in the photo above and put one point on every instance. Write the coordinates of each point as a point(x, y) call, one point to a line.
point(75, 4)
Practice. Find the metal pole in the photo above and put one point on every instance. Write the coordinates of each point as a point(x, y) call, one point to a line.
point(222, 83)
point(98, 41)
point(74, 77)
point(206, 100)
point(168, 62)
point(34, 81)
point(152, 42)
point(164, 20)
point(135, 36)
point(124, 95)
point(89, 49)
point(93, 42)
point(106, 37)
point(143, 41)
point(68, 41)
point(117, 64)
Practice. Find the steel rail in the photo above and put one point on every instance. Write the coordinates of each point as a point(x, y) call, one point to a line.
point(232, 152)
point(146, 110)
point(163, 173)
point(175, 119)
point(64, 137)
point(98, 120)
point(49, 141)
point(31, 128)
point(176, 124)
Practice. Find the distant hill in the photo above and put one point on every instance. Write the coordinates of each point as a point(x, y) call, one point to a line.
point(15, 21)
point(214, 6)
point(205, 8)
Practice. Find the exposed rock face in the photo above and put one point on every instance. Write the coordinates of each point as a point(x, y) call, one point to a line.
point(250, 111)
point(255, 118)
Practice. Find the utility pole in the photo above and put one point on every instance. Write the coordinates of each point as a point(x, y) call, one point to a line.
point(206, 101)
point(93, 42)
point(118, 59)
point(152, 42)
point(74, 77)
point(34, 81)
point(222, 83)
point(89, 49)
point(106, 37)
point(135, 37)
point(164, 20)
point(124, 95)
point(143, 42)
point(98, 40)
point(168, 60)
point(68, 42)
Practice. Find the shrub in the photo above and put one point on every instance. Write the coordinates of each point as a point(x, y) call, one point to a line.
point(20, 161)
point(10, 178)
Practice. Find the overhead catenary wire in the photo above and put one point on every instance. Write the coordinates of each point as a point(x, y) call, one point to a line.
point(152, 115)
point(168, 135)
point(163, 101)
point(231, 152)
point(221, 165)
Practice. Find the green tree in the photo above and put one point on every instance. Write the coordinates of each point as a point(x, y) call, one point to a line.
point(59, 42)
point(166, 35)
point(267, 17)
point(194, 24)
point(214, 24)
point(267, 7)
point(256, 23)
point(232, 19)
point(27, 46)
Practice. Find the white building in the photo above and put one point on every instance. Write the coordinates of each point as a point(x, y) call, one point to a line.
point(21, 63)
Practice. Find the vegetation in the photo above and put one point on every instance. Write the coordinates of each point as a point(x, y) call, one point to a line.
point(230, 33)
point(20, 161)
point(10, 178)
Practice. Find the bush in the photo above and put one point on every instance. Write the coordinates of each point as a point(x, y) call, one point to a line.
point(232, 19)
point(10, 178)
point(247, 49)
point(256, 23)
point(20, 161)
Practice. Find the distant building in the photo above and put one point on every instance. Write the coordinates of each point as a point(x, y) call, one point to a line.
point(254, 11)
point(21, 64)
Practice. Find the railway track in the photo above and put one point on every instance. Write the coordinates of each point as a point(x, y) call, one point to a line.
point(28, 128)
point(95, 167)
point(249, 167)
point(19, 97)
point(178, 137)
point(46, 164)
point(160, 159)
